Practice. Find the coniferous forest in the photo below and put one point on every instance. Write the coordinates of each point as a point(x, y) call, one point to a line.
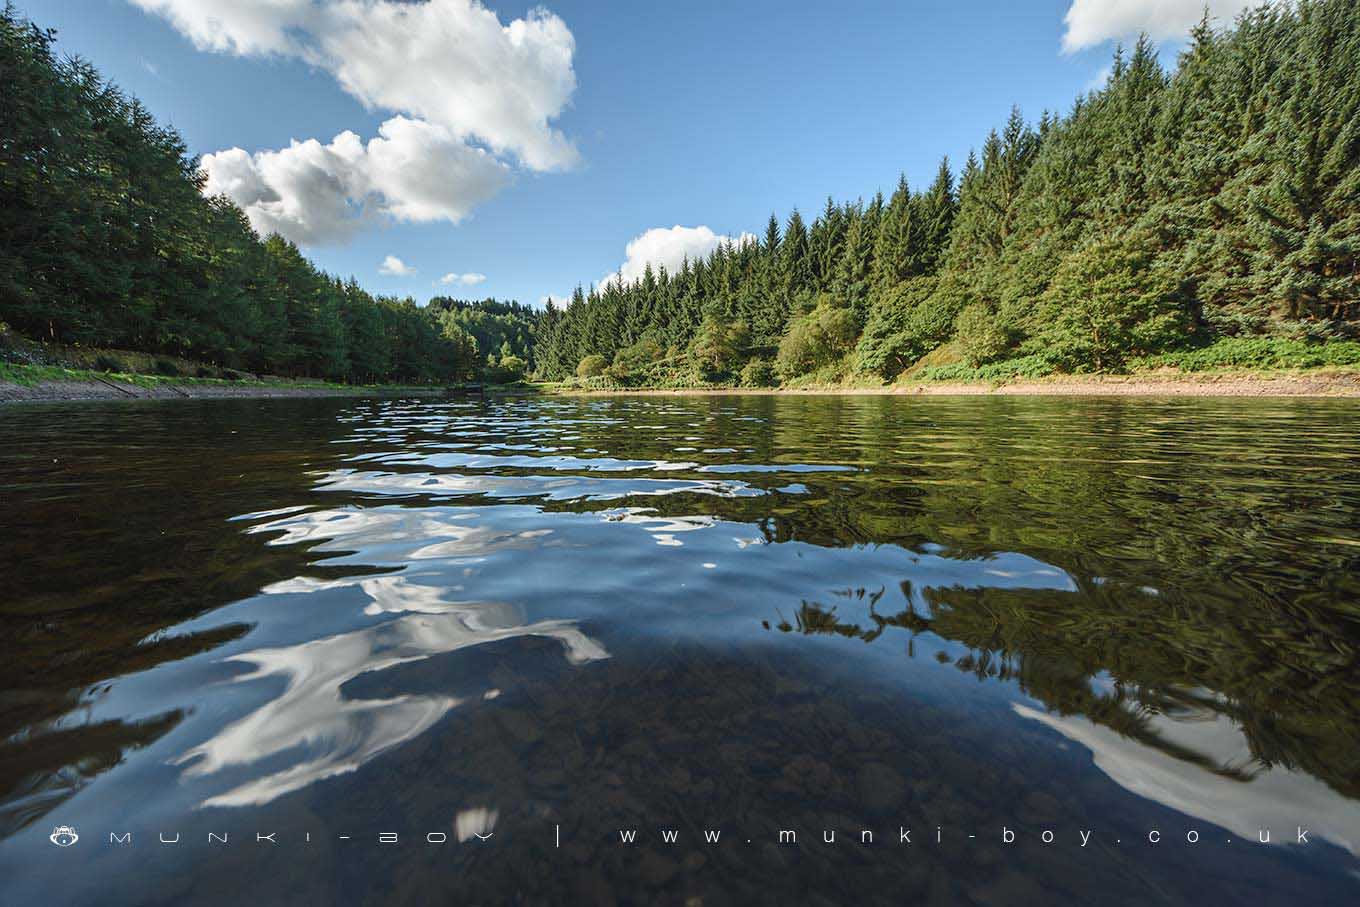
point(1206, 215)
point(107, 241)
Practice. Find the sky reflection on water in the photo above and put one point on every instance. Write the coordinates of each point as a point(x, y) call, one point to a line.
point(504, 617)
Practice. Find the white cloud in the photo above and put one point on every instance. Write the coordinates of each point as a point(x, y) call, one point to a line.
point(412, 171)
point(668, 246)
point(1092, 22)
point(1099, 80)
point(241, 26)
point(450, 62)
point(392, 266)
point(472, 278)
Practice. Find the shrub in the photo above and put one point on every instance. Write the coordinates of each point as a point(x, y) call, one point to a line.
point(1256, 352)
point(835, 372)
point(513, 367)
point(1035, 366)
point(758, 373)
point(591, 366)
point(105, 362)
point(814, 340)
point(632, 360)
point(506, 370)
point(981, 338)
point(203, 372)
point(717, 347)
point(232, 374)
point(597, 383)
point(166, 367)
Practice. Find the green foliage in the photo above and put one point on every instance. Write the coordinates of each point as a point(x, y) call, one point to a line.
point(166, 367)
point(635, 362)
point(495, 326)
point(834, 373)
point(507, 369)
point(106, 362)
point(1164, 210)
point(107, 241)
point(1221, 199)
point(460, 348)
point(513, 368)
point(758, 373)
point(1107, 301)
point(981, 337)
point(815, 340)
point(1255, 353)
point(717, 347)
point(906, 321)
point(1033, 366)
point(591, 366)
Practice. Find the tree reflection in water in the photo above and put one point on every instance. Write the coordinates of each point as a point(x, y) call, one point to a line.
point(332, 614)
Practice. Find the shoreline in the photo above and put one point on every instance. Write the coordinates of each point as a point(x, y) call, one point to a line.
point(99, 389)
point(1322, 383)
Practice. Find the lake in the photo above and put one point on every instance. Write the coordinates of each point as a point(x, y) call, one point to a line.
point(690, 650)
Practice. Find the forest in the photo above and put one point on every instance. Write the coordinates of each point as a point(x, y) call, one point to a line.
point(106, 240)
point(502, 330)
point(1205, 216)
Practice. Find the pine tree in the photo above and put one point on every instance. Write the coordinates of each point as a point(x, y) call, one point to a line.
point(895, 249)
point(1304, 215)
point(937, 210)
point(795, 274)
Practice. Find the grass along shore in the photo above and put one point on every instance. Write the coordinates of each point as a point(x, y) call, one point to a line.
point(32, 383)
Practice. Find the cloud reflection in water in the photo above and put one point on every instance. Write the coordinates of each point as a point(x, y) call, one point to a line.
point(335, 734)
point(1276, 798)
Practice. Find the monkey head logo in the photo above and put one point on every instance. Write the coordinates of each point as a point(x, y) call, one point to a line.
point(63, 836)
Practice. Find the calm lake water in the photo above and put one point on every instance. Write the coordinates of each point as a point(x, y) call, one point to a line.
point(504, 632)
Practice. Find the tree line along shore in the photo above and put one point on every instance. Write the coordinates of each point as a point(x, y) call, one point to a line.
point(1192, 220)
point(108, 247)
point(1202, 218)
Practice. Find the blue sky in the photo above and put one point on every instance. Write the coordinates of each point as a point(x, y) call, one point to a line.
point(554, 151)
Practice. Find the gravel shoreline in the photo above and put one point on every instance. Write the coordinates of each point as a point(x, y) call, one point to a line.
point(1342, 384)
point(1178, 385)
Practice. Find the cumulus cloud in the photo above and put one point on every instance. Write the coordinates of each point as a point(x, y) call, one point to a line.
point(412, 171)
point(450, 62)
point(1093, 22)
point(669, 247)
point(392, 266)
point(473, 98)
point(242, 26)
point(459, 67)
point(470, 279)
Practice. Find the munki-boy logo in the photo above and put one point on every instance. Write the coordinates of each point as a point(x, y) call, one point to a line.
point(63, 836)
